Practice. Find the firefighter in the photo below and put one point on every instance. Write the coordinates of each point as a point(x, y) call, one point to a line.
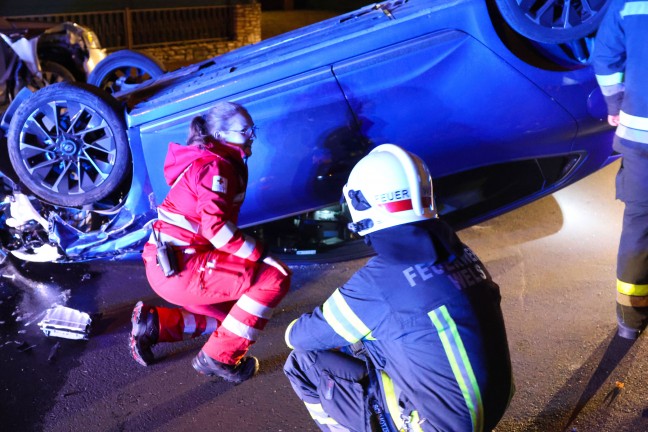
point(415, 340)
point(197, 257)
point(620, 61)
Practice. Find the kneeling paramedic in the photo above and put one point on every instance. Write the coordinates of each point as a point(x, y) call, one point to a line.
point(415, 340)
point(197, 258)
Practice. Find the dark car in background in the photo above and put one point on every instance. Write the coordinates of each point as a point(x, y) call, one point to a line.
point(495, 96)
point(34, 54)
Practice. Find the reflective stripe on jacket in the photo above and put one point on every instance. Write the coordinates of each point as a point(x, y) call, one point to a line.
point(620, 61)
point(202, 207)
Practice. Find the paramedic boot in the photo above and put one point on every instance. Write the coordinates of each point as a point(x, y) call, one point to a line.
point(144, 333)
point(243, 370)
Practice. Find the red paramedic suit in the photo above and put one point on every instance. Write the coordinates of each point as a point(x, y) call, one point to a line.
point(220, 275)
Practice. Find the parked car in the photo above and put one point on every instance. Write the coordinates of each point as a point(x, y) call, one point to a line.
point(498, 101)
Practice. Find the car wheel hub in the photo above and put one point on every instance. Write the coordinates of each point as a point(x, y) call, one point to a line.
point(67, 149)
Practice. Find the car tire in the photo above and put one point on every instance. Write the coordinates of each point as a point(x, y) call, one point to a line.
point(546, 29)
point(67, 144)
point(54, 72)
point(122, 69)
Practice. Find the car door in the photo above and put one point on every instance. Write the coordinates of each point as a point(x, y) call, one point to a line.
point(451, 100)
point(306, 145)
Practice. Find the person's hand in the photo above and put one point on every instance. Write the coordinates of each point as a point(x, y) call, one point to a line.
point(613, 120)
point(276, 263)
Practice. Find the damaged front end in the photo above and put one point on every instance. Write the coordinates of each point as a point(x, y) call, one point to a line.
point(74, 46)
point(35, 231)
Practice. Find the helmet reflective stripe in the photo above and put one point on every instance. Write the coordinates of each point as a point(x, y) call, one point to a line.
point(388, 187)
point(403, 205)
point(411, 171)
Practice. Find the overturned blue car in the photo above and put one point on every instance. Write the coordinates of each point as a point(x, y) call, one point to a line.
point(495, 96)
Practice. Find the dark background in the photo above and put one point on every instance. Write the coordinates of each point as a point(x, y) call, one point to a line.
point(37, 7)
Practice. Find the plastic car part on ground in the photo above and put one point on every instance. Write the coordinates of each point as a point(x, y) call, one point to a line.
point(65, 322)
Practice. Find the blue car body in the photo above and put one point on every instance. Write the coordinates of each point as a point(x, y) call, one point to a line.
point(433, 76)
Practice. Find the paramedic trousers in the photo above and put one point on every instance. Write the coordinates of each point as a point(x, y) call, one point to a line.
point(239, 294)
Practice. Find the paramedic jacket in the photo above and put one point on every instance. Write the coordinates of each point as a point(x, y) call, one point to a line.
point(620, 61)
point(429, 316)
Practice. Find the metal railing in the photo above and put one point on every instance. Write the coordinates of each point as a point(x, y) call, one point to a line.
point(140, 28)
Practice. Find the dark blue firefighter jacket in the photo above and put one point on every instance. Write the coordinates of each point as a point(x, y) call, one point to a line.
point(429, 315)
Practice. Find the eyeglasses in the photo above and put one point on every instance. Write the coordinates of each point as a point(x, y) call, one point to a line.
point(248, 131)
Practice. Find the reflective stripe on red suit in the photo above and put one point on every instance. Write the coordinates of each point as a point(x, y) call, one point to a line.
point(220, 273)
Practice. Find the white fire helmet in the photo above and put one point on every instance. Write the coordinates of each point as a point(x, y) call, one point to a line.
point(388, 187)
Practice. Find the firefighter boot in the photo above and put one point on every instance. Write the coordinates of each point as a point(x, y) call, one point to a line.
point(243, 370)
point(144, 334)
point(632, 320)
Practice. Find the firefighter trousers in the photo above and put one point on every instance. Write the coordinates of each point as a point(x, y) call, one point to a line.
point(332, 386)
point(632, 258)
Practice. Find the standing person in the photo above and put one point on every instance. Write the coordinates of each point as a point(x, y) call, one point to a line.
point(620, 61)
point(419, 328)
point(198, 258)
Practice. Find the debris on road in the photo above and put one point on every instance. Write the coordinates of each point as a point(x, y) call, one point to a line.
point(24, 346)
point(64, 322)
point(614, 393)
point(53, 351)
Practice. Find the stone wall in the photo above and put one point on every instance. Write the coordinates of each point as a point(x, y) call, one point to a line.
point(247, 30)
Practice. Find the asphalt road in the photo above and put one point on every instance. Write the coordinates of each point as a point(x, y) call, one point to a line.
point(554, 260)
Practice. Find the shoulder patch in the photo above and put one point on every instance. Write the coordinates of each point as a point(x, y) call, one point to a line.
point(219, 184)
